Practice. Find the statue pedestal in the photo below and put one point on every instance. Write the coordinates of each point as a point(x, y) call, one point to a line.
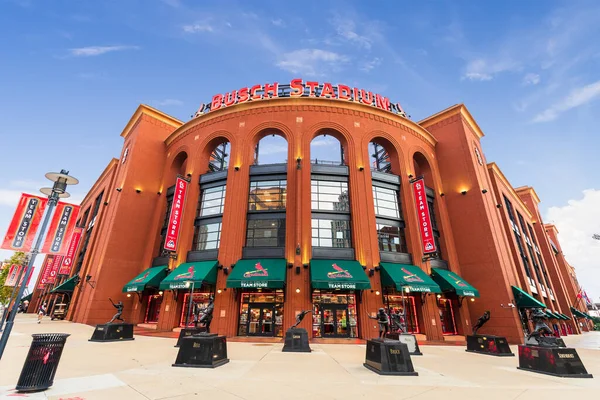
point(112, 333)
point(407, 339)
point(489, 344)
point(296, 341)
point(549, 341)
point(185, 332)
point(388, 357)
point(556, 361)
point(205, 350)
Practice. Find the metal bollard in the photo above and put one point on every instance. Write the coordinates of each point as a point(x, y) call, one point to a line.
point(42, 362)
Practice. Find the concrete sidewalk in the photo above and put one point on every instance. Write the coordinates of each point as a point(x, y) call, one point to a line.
point(141, 369)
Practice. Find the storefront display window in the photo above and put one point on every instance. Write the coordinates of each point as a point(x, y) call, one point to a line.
point(334, 315)
point(446, 316)
point(261, 313)
point(396, 303)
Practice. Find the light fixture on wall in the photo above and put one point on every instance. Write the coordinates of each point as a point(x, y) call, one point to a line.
point(128, 294)
point(189, 175)
point(361, 169)
point(371, 272)
point(226, 271)
point(297, 270)
point(159, 193)
point(106, 203)
point(298, 163)
point(297, 290)
point(298, 249)
point(236, 168)
point(219, 291)
point(305, 266)
point(119, 189)
point(484, 191)
point(410, 176)
point(498, 205)
point(464, 192)
point(290, 265)
point(442, 194)
point(138, 191)
point(160, 293)
point(472, 298)
point(377, 292)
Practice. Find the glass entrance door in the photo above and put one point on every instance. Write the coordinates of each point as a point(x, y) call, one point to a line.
point(261, 320)
point(334, 321)
point(153, 309)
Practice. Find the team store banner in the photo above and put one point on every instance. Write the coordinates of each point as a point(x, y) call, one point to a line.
point(176, 214)
point(45, 272)
point(69, 258)
point(424, 217)
point(61, 229)
point(25, 223)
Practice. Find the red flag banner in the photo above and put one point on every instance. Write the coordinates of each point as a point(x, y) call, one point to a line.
point(69, 259)
point(45, 273)
point(25, 223)
point(13, 273)
point(61, 229)
point(176, 214)
point(30, 275)
point(54, 267)
point(424, 217)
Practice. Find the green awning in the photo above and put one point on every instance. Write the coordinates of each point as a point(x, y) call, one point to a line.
point(451, 282)
point(27, 298)
point(194, 272)
point(148, 278)
point(338, 274)
point(563, 316)
point(258, 273)
point(404, 276)
point(550, 314)
point(67, 286)
point(525, 300)
point(578, 314)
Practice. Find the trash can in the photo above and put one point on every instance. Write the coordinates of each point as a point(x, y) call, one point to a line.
point(41, 362)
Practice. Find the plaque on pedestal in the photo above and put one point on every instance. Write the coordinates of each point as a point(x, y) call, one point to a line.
point(407, 339)
point(112, 333)
point(296, 341)
point(205, 350)
point(388, 357)
point(185, 332)
point(489, 344)
point(556, 361)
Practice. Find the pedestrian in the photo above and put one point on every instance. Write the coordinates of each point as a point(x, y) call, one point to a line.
point(41, 312)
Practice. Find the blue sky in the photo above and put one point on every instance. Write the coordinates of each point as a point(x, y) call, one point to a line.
point(73, 72)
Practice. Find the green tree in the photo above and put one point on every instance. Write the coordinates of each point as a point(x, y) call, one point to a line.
point(18, 259)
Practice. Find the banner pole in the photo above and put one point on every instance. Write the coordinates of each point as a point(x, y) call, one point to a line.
point(52, 201)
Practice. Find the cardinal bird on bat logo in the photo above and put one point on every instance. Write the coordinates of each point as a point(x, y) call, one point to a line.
point(185, 275)
point(142, 278)
point(259, 271)
point(339, 272)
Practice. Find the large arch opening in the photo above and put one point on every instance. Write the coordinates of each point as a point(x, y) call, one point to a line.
point(326, 149)
point(272, 148)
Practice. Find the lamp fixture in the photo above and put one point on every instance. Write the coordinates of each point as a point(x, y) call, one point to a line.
point(219, 291)
point(298, 249)
point(297, 270)
point(439, 296)
point(377, 293)
point(361, 169)
point(128, 294)
point(472, 298)
point(410, 176)
point(160, 293)
point(305, 266)
point(226, 271)
point(442, 194)
point(189, 175)
point(464, 192)
point(159, 193)
point(290, 265)
point(236, 168)
point(106, 203)
point(119, 189)
point(498, 205)
point(297, 290)
point(298, 163)
point(138, 191)
point(371, 272)
point(484, 191)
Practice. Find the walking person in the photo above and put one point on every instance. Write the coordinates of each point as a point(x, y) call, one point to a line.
point(42, 312)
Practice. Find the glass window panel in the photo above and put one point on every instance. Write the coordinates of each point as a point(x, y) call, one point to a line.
point(325, 243)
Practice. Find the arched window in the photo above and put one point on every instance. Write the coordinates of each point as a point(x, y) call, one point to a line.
point(379, 158)
point(219, 158)
point(326, 150)
point(271, 149)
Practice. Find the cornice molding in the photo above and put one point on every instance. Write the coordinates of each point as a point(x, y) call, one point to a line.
point(151, 112)
point(457, 109)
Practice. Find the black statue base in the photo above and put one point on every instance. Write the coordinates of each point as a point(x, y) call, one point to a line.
point(112, 333)
point(407, 339)
point(489, 344)
point(388, 357)
point(546, 341)
point(185, 332)
point(205, 350)
point(296, 341)
point(555, 361)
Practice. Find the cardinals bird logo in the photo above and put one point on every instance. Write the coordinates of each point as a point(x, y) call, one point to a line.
point(185, 275)
point(339, 272)
point(259, 271)
point(411, 277)
point(142, 278)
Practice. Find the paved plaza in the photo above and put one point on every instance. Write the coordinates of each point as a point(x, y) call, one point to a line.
point(141, 369)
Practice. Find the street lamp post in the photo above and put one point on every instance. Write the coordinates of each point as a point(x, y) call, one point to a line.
point(57, 191)
point(12, 295)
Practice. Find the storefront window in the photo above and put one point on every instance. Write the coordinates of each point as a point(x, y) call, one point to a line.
point(397, 302)
point(330, 196)
point(391, 238)
point(334, 315)
point(261, 313)
point(446, 316)
point(386, 202)
point(267, 196)
point(212, 201)
point(201, 298)
point(265, 233)
point(207, 237)
point(331, 233)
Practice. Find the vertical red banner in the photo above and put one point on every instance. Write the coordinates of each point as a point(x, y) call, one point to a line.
point(424, 217)
point(69, 259)
point(45, 272)
point(54, 267)
point(24, 272)
point(176, 213)
point(25, 223)
point(61, 229)
point(11, 278)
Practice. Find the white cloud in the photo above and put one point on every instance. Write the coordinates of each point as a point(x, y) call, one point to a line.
point(311, 62)
point(91, 51)
point(324, 141)
point(369, 65)
point(278, 22)
point(576, 223)
point(578, 97)
point(346, 28)
point(531, 79)
point(484, 70)
point(198, 27)
point(169, 102)
point(9, 197)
